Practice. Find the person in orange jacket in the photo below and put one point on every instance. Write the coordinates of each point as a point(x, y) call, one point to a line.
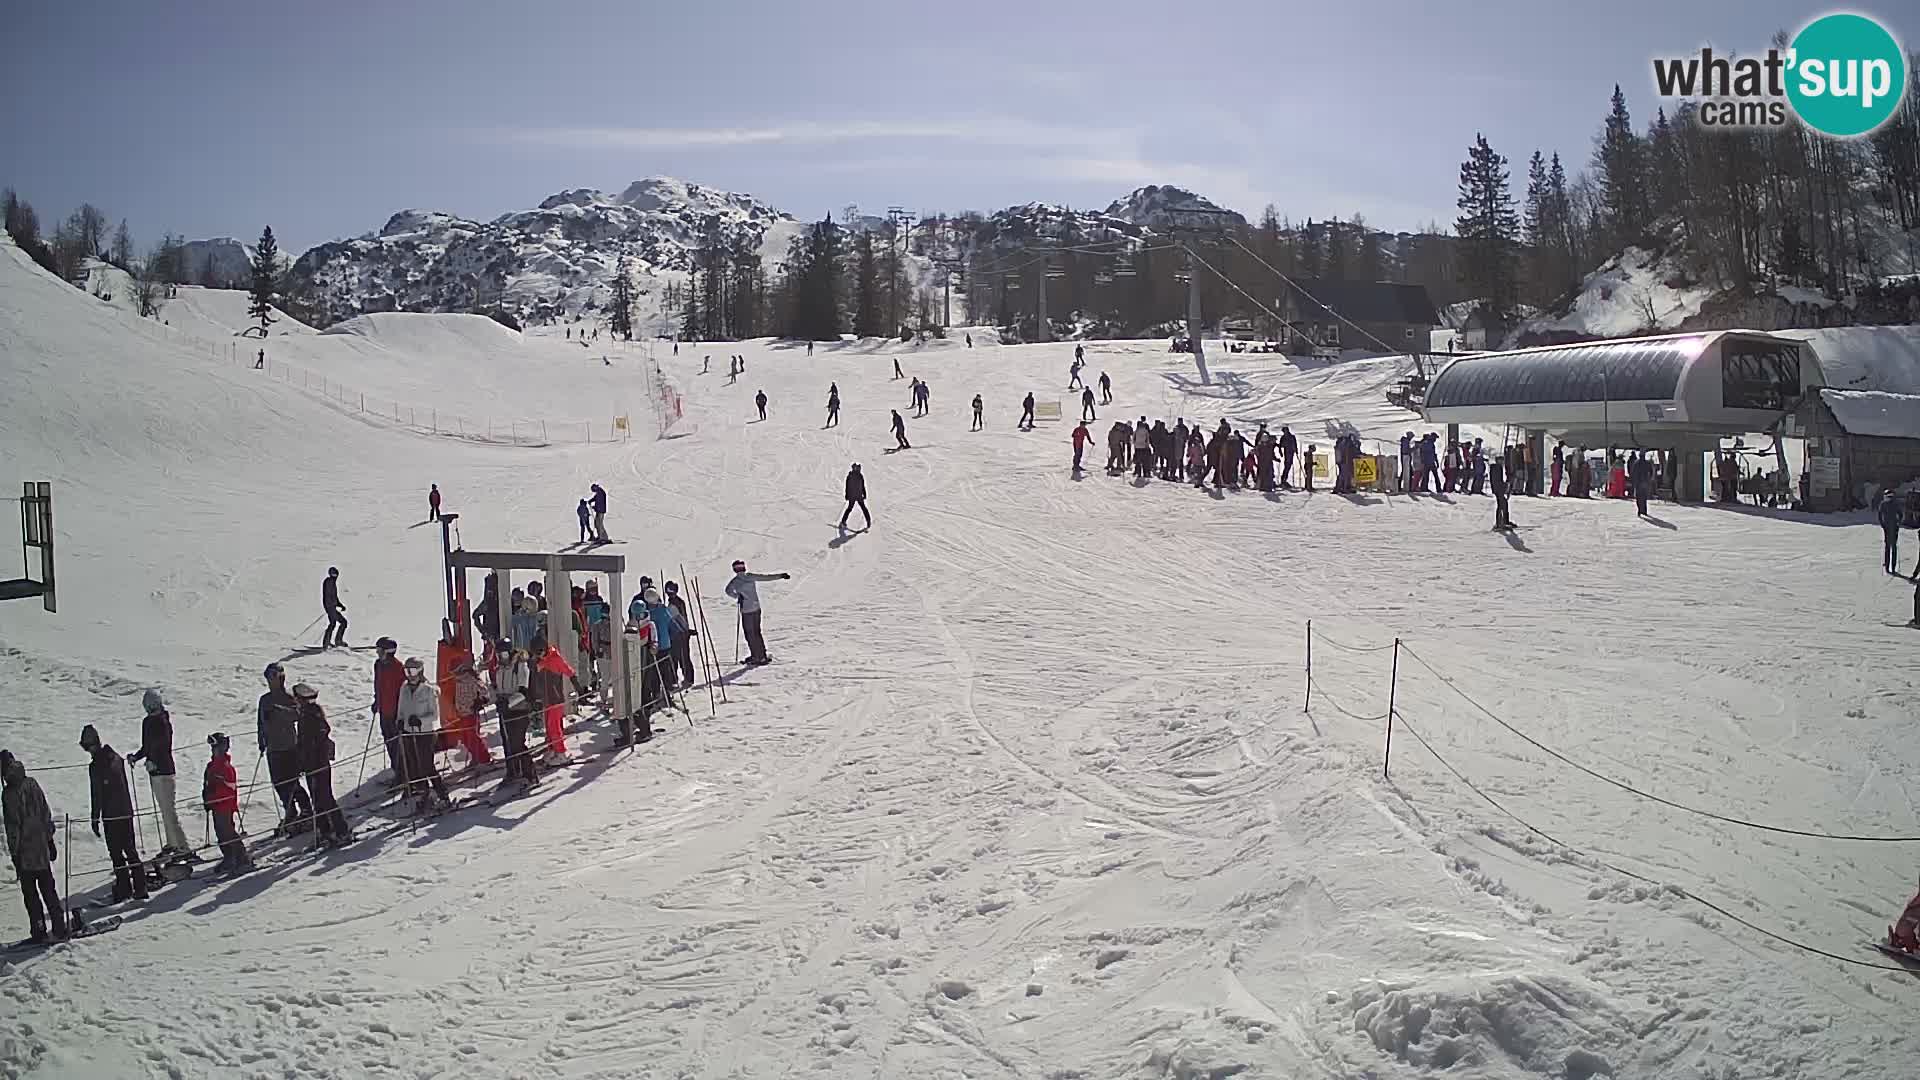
point(552, 675)
point(461, 699)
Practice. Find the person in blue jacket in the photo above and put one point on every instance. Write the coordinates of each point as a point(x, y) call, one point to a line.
point(664, 637)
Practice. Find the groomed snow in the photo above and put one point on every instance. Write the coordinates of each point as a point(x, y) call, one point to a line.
point(1030, 793)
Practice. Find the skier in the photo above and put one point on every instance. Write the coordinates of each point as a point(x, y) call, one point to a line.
point(260, 360)
point(1263, 458)
point(1429, 462)
point(1080, 438)
point(276, 718)
point(1073, 375)
point(1026, 413)
point(336, 632)
point(220, 795)
point(1080, 354)
point(900, 432)
point(1106, 389)
point(969, 341)
point(419, 724)
point(433, 502)
point(550, 675)
point(664, 639)
point(1890, 515)
point(706, 362)
point(1142, 449)
point(113, 805)
point(1289, 446)
point(511, 679)
point(810, 348)
point(1559, 464)
point(1086, 405)
point(316, 762)
point(856, 496)
point(1306, 468)
point(388, 677)
point(1406, 463)
point(897, 373)
point(683, 634)
point(760, 399)
point(833, 405)
point(1477, 463)
point(1117, 441)
point(30, 847)
point(1497, 480)
point(465, 699)
point(586, 530)
point(599, 503)
point(978, 407)
point(1196, 457)
point(745, 590)
point(926, 397)
point(156, 747)
point(1640, 475)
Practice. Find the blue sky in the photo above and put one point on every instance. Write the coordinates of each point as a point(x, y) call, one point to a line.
point(212, 118)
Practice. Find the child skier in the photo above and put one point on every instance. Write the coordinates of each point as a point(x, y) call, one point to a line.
point(220, 792)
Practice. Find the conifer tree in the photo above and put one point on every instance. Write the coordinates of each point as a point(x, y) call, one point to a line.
point(1489, 230)
point(620, 309)
point(266, 279)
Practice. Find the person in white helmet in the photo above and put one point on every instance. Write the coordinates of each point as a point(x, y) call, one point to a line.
point(419, 719)
point(745, 590)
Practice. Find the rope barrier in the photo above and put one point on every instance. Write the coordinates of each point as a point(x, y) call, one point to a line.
point(1649, 796)
point(1352, 648)
point(1678, 890)
point(1335, 706)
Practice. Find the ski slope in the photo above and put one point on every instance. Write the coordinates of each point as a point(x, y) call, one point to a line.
point(1030, 791)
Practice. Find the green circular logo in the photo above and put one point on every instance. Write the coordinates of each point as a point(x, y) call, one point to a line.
point(1847, 75)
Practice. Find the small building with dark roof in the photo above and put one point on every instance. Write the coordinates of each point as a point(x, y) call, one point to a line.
point(1381, 315)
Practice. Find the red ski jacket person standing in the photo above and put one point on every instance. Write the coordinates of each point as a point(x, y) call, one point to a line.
point(388, 677)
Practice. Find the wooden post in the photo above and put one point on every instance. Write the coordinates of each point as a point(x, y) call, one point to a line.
point(1393, 685)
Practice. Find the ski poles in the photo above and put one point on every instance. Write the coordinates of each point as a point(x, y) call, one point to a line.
point(250, 782)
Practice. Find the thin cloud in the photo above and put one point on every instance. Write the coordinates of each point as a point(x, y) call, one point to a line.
point(988, 132)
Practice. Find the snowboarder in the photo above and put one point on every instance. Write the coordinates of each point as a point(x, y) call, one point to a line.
point(31, 849)
point(1497, 480)
point(586, 530)
point(388, 677)
point(220, 795)
point(856, 496)
point(433, 502)
point(276, 718)
point(599, 504)
point(760, 399)
point(683, 633)
point(1640, 475)
point(113, 807)
point(1026, 413)
point(1890, 514)
point(1106, 389)
point(900, 432)
point(833, 405)
point(315, 736)
point(1080, 438)
point(419, 723)
point(978, 407)
point(156, 748)
point(336, 632)
point(1086, 405)
point(745, 590)
point(897, 373)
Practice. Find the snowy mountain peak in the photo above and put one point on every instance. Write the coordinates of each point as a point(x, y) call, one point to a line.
point(576, 197)
point(1153, 205)
point(670, 195)
point(418, 221)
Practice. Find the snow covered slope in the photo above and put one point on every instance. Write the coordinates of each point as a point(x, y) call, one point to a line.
point(1030, 792)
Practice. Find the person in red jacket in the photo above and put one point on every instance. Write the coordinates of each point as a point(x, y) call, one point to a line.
point(388, 678)
point(220, 792)
point(433, 503)
point(552, 675)
point(1081, 436)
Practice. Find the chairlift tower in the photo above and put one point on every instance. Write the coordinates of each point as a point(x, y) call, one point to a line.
point(1187, 228)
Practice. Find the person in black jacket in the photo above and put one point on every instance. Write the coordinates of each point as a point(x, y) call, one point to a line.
point(30, 847)
point(315, 737)
point(156, 747)
point(900, 432)
point(760, 399)
point(1497, 480)
point(856, 496)
point(113, 808)
point(1640, 475)
point(1026, 414)
point(336, 633)
point(276, 722)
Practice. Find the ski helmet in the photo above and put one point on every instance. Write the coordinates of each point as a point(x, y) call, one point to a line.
point(305, 692)
point(386, 644)
point(651, 596)
point(739, 566)
point(151, 701)
point(89, 738)
point(218, 742)
point(333, 571)
point(413, 665)
point(273, 669)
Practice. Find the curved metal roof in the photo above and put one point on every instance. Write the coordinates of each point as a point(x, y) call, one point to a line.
point(1642, 370)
